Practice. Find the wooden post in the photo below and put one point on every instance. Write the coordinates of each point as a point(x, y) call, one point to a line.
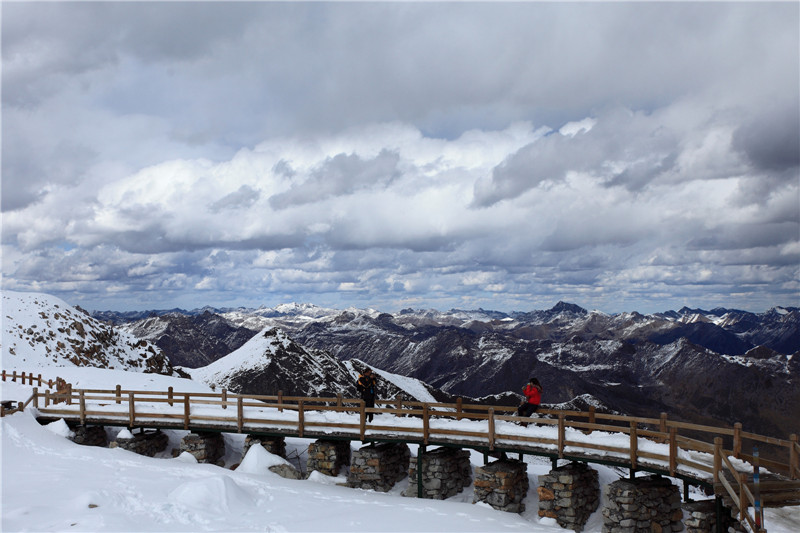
point(737, 439)
point(186, 411)
point(561, 435)
point(131, 410)
point(662, 425)
point(491, 429)
point(634, 445)
point(36, 397)
point(459, 402)
point(300, 419)
point(794, 457)
point(224, 398)
point(743, 503)
point(280, 401)
point(170, 396)
point(40, 380)
point(23, 378)
point(363, 419)
point(717, 458)
point(46, 398)
point(4, 375)
point(339, 400)
point(14, 376)
point(592, 412)
point(425, 424)
point(69, 393)
point(239, 413)
point(420, 455)
point(119, 394)
point(759, 515)
point(83, 407)
point(673, 450)
point(399, 405)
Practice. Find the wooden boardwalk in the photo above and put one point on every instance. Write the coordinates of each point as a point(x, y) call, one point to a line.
point(657, 445)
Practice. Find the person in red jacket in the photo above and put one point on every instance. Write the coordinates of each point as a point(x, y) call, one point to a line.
point(533, 397)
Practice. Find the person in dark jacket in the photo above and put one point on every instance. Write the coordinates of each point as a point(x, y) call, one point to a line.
point(533, 397)
point(367, 388)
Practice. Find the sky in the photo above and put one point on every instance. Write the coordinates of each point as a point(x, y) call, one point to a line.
point(618, 155)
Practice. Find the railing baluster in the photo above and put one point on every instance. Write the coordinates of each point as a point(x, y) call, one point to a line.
point(131, 410)
point(363, 419)
point(737, 440)
point(83, 407)
point(425, 424)
point(673, 450)
point(186, 410)
point(634, 445)
point(239, 413)
point(491, 429)
point(561, 435)
point(300, 419)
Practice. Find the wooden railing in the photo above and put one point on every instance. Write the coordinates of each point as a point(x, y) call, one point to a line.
point(7, 407)
point(416, 422)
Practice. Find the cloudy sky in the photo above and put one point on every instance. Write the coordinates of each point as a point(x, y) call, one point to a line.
point(621, 156)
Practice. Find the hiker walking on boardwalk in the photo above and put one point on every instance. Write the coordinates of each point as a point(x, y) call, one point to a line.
point(533, 397)
point(367, 387)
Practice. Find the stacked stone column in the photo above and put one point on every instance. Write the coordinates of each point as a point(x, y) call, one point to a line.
point(569, 494)
point(379, 466)
point(90, 436)
point(206, 447)
point(502, 484)
point(147, 443)
point(445, 473)
point(274, 445)
point(328, 456)
point(642, 505)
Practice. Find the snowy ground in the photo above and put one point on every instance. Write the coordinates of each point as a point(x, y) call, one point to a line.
point(51, 484)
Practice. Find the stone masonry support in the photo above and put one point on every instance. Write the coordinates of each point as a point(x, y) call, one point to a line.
point(649, 504)
point(379, 466)
point(502, 484)
point(445, 473)
point(570, 494)
point(328, 456)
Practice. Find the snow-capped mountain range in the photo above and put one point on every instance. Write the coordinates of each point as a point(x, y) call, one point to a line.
point(719, 366)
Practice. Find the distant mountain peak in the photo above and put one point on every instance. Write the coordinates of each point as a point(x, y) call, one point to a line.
point(565, 307)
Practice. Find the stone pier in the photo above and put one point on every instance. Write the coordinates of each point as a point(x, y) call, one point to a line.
point(642, 505)
point(328, 456)
point(274, 445)
point(701, 517)
point(502, 484)
point(147, 443)
point(379, 466)
point(445, 473)
point(570, 494)
point(206, 447)
point(90, 436)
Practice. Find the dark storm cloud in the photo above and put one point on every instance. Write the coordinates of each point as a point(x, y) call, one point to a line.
point(771, 140)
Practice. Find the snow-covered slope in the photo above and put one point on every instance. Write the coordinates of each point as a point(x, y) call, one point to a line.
point(42, 331)
point(271, 362)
